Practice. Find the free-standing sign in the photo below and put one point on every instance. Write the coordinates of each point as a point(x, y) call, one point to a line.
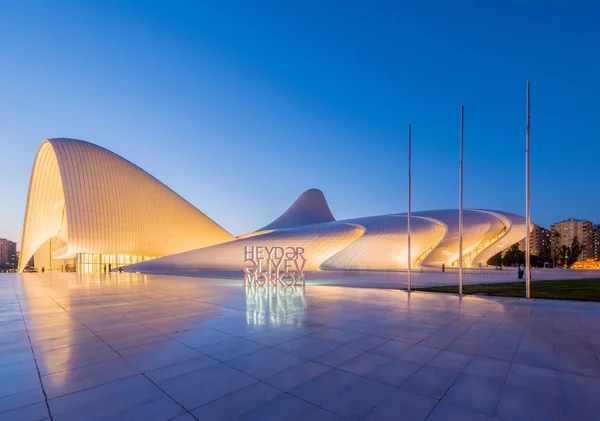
point(274, 266)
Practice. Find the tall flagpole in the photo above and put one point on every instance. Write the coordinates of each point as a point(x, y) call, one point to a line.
point(528, 198)
point(460, 203)
point(409, 204)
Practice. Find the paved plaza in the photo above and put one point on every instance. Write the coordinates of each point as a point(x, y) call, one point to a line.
point(157, 347)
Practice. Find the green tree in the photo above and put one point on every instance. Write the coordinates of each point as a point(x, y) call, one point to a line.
point(495, 260)
point(556, 251)
point(536, 261)
point(574, 251)
point(513, 256)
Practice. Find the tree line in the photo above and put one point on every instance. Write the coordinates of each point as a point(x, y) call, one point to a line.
point(557, 256)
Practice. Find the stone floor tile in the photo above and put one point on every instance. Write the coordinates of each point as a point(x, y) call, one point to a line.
point(229, 350)
point(21, 399)
point(487, 367)
point(100, 395)
point(419, 354)
point(517, 404)
point(412, 336)
point(70, 381)
point(308, 347)
point(478, 393)
point(446, 411)
point(364, 364)
point(66, 361)
point(132, 343)
point(184, 417)
point(343, 393)
point(465, 346)
point(391, 349)
point(206, 385)
point(497, 351)
point(532, 378)
point(577, 365)
point(297, 375)
point(197, 338)
point(265, 363)
point(161, 409)
point(430, 381)
point(367, 342)
point(284, 407)
point(403, 405)
point(338, 356)
point(15, 385)
point(450, 360)
point(157, 355)
point(577, 396)
point(179, 369)
point(538, 356)
point(144, 402)
point(438, 341)
point(37, 411)
point(394, 372)
point(237, 403)
point(319, 414)
point(273, 337)
point(337, 335)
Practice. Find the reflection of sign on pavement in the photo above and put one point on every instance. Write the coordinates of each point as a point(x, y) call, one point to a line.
point(274, 266)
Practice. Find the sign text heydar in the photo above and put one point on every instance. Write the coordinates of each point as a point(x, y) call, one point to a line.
point(274, 266)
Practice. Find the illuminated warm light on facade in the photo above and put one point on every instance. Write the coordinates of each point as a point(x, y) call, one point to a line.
point(90, 210)
point(371, 243)
point(88, 206)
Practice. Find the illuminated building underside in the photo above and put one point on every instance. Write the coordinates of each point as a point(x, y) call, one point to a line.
point(89, 209)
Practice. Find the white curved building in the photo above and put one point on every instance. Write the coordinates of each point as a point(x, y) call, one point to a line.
point(371, 243)
point(89, 209)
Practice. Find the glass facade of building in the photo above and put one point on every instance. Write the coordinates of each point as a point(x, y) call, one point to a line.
point(92, 263)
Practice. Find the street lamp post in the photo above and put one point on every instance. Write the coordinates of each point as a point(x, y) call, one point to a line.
point(409, 205)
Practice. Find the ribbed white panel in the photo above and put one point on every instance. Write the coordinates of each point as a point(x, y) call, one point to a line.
point(45, 205)
point(478, 228)
point(320, 242)
point(515, 233)
point(384, 244)
point(107, 205)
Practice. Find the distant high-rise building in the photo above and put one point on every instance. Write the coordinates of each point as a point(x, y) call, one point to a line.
point(596, 241)
point(571, 228)
point(539, 242)
point(8, 254)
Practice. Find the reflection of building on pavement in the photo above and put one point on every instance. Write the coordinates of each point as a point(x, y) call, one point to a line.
point(275, 306)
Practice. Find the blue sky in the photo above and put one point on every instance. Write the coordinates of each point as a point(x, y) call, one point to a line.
point(241, 106)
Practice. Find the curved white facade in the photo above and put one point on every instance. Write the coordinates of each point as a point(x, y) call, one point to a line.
point(88, 207)
point(371, 243)
point(86, 200)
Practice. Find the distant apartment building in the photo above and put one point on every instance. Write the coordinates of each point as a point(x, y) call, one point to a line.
point(571, 228)
point(596, 241)
point(539, 242)
point(8, 253)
